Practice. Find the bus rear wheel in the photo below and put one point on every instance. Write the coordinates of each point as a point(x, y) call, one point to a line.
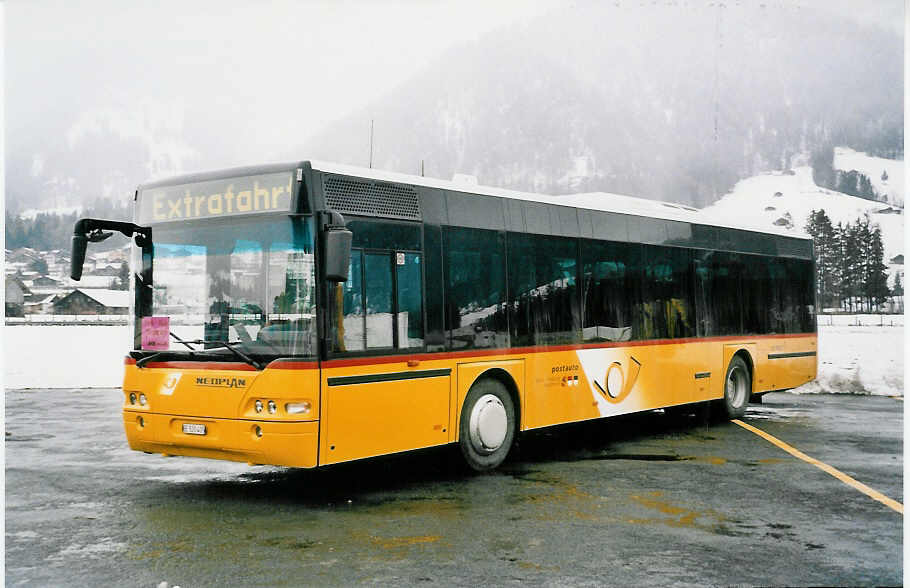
point(487, 427)
point(737, 388)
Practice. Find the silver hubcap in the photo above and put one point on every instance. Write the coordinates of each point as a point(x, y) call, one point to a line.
point(736, 387)
point(488, 424)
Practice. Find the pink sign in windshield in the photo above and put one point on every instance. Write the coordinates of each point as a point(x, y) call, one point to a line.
point(156, 333)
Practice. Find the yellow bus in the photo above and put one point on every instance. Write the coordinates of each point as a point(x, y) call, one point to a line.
point(309, 314)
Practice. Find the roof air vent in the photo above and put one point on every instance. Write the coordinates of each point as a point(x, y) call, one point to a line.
point(371, 198)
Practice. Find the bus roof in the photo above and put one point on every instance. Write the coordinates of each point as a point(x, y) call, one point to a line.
point(601, 201)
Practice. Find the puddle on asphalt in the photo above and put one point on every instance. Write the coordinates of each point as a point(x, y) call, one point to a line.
point(680, 516)
point(769, 413)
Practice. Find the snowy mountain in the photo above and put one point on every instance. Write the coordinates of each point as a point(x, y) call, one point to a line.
point(666, 102)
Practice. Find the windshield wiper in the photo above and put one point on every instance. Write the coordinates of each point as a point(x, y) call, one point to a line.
point(229, 345)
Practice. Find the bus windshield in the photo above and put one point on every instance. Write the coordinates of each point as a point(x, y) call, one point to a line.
point(246, 283)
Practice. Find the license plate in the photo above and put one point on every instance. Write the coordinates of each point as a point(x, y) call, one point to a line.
point(193, 429)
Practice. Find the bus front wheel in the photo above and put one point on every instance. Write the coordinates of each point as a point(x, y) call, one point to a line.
point(737, 388)
point(487, 428)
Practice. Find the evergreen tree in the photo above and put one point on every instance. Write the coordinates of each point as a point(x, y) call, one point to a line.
point(876, 282)
point(826, 256)
point(846, 279)
point(865, 187)
point(819, 227)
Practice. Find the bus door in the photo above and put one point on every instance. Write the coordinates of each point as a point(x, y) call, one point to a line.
point(377, 398)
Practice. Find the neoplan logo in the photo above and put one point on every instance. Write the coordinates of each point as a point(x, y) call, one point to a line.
point(221, 382)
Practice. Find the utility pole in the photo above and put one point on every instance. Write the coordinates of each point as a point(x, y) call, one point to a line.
point(421, 168)
point(371, 143)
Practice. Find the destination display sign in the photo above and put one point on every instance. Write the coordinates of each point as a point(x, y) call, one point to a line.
point(217, 198)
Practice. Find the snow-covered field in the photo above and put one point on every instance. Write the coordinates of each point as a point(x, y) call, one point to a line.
point(859, 360)
point(847, 159)
point(852, 360)
point(64, 356)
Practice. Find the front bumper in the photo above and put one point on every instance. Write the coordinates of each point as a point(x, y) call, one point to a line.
point(292, 444)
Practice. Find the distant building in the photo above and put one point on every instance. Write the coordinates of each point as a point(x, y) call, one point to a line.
point(93, 301)
point(40, 303)
point(16, 292)
point(45, 282)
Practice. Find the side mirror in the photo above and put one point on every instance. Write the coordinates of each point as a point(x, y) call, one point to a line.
point(337, 253)
point(80, 242)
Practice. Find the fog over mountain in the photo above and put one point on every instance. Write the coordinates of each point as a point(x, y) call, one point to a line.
point(668, 102)
point(671, 100)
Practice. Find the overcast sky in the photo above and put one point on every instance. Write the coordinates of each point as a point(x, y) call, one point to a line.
point(270, 69)
point(282, 63)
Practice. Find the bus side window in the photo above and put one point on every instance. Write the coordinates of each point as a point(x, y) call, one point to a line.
point(377, 272)
point(475, 288)
point(410, 301)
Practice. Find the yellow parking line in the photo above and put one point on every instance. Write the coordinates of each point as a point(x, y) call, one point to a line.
point(874, 494)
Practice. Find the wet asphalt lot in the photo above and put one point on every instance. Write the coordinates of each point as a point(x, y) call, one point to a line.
point(644, 500)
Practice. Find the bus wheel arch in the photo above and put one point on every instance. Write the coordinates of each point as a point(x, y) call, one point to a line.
point(737, 385)
point(750, 365)
point(489, 421)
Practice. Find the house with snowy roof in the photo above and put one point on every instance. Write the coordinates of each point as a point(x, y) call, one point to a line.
point(93, 301)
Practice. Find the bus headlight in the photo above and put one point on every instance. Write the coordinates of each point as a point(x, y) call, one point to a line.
point(298, 407)
point(132, 398)
point(273, 408)
point(258, 406)
point(142, 399)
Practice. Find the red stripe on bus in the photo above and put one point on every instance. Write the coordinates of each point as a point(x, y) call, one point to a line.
point(280, 364)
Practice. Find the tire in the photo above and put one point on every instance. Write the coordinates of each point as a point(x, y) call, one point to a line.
point(737, 388)
point(486, 431)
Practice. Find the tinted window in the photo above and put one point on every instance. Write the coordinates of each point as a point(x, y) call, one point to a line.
point(717, 293)
point(434, 287)
point(410, 305)
point(476, 288)
point(385, 235)
point(377, 281)
point(667, 308)
point(543, 290)
point(758, 296)
point(611, 283)
point(801, 274)
point(347, 305)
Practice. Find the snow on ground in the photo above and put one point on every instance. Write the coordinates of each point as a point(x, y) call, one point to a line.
point(859, 360)
point(852, 360)
point(847, 159)
point(64, 356)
